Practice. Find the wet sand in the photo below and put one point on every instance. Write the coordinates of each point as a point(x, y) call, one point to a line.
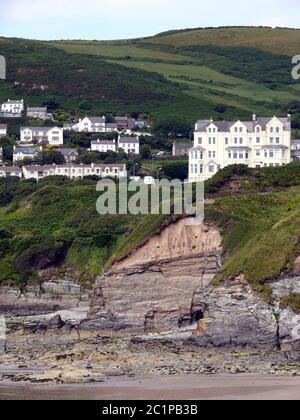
point(163, 388)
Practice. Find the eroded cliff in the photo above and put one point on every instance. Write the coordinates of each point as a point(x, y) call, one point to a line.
point(166, 287)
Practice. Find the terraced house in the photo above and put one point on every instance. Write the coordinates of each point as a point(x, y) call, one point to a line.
point(262, 142)
point(73, 171)
point(42, 135)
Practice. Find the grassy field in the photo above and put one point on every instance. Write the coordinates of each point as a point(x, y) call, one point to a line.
point(246, 69)
point(278, 40)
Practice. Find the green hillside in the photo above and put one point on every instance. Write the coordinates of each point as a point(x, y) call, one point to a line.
point(184, 74)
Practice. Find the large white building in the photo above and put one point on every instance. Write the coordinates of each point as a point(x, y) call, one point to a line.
point(262, 142)
point(88, 125)
point(13, 107)
point(53, 136)
point(73, 171)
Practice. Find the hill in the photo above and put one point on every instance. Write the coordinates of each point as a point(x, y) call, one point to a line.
point(180, 74)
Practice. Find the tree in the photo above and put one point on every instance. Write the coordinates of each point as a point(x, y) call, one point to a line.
point(172, 127)
point(220, 108)
point(50, 157)
point(146, 151)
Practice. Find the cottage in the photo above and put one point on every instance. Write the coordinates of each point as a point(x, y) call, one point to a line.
point(262, 142)
point(24, 152)
point(43, 135)
point(8, 171)
point(37, 113)
point(104, 146)
point(125, 123)
point(181, 149)
point(3, 130)
point(130, 145)
point(73, 171)
point(70, 155)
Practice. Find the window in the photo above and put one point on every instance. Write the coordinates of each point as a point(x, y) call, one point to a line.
point(271, 130)
point(241, 129)
point(277, 130)
point(235, 140)
point(271, 153)
point(201, 155)
point(192, 169)
point(271, 140)
point(241, 155)
point(257, 153)
point(236, 130)
point(235, 155)
point(241, 141)
point(257, 140)
point(247, 155)
point(257, 129)
point(211, 169)
point(196, 169)
point(284, 154)
point(200, 140)
point(201, 169)
point(277, 140)
point(229, 155)
point(226, 140)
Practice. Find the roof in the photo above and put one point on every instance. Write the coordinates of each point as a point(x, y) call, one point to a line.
point(26, 150)
point(225, 126)
point(10, 169)
point(67, 152)
point(129, 140)
point(97, 120)
point(104, 142)
point(45, 129)
point(3, 126)
point(36, 109)
point(182, 146)
point(16, 102)
point(71, 166)
point(112, 125)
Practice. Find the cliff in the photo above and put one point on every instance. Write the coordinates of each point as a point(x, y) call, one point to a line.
point(167, 287)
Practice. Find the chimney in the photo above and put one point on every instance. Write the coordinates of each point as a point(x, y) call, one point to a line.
point(254, 117)
point(211, 120)
point(289, 117)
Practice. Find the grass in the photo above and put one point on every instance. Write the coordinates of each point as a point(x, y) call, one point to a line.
point(278, 41)
point(291, 301)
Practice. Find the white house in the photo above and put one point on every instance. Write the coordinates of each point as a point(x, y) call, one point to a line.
point(3, 130)
point(262, 142)
point(130, 145)
point(25, 152)
point(7, 171)
point(73, 171)
point(70, 155)
point(13, 107)
point(53, 136)
point(104, 146)
point(88, 125)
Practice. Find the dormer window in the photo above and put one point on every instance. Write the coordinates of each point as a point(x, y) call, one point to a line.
point(258, 129)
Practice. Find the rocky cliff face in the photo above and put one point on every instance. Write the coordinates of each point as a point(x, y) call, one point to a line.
point(166, 287)
point(60, 297)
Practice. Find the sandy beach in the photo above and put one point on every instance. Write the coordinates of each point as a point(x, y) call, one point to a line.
point(163, 388)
